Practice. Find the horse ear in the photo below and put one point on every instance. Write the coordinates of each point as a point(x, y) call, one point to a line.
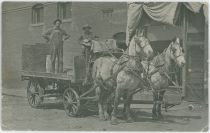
point(177, 40)
point(173, 40)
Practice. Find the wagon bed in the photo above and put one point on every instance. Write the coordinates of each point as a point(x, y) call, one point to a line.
point(59, 76)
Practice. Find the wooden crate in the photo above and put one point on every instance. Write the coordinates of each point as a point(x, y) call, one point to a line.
point(34, 57)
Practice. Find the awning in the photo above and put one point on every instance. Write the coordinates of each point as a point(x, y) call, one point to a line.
point(205, 12)
point(193, 6)
point(163, 12)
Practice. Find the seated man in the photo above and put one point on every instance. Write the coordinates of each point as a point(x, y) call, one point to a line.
point(86, 42)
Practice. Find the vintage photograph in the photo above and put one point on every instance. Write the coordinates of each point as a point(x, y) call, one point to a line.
point(104, 66)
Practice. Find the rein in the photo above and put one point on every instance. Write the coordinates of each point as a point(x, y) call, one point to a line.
point(164, 72)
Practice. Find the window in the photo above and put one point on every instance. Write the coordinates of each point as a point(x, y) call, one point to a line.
point(37, 13)
point(64, 10)
point(107, 13)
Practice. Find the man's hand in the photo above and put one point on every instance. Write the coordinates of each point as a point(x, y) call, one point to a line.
point(137, 40)
point(47, 39)
point(67, 37)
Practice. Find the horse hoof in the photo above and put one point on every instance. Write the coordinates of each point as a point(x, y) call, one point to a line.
point(160, 117)
point(106, 117)
point(129, 120)
point(154, 117)
point(114, 122)
point(101, 118)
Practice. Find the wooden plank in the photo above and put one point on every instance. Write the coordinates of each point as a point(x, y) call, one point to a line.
point(184, 31)
point(79, 68)
point(206, 64)
point(34, 57)
point(46, 75)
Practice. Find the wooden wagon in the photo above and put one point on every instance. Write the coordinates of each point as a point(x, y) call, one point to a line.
point(68, 85)
point(42, 84)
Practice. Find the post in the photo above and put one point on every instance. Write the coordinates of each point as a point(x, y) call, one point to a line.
point(184, 36)
point(205, 87)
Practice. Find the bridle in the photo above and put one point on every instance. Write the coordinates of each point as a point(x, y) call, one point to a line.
point(142, 47)
point(176, 56)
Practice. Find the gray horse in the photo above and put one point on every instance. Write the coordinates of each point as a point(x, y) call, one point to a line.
point(172, 56)
point(105, 67)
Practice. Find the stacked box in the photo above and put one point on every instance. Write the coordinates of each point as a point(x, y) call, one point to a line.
point(34, 57)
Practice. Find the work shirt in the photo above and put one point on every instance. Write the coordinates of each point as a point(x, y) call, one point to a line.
point(55, 36)
point(86, 39)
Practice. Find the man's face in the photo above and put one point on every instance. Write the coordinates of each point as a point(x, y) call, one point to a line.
point(87, 30)
point(57, 24)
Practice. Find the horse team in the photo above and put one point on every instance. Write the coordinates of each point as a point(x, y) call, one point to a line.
point(131, 74)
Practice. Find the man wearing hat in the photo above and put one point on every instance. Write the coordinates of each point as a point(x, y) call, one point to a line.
point(86, 42)
point(55, 37)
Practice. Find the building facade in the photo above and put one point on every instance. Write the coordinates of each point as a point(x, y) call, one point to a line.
point(24, 22)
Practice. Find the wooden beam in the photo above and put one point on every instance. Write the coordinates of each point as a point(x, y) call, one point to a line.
point(205, 87)
point(184, 31)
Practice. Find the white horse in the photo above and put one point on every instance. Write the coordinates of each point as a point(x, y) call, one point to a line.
point(129, 81)
point(172, 56)
point(106, 67)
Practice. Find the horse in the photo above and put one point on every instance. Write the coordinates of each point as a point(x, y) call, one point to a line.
point(172, 56)
point(105, 67)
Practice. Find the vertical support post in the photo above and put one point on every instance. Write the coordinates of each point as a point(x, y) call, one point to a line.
point(184, 36)
point(205, 87)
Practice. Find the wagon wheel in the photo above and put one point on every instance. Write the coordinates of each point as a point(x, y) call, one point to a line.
point(71, 102)
point(33, 94)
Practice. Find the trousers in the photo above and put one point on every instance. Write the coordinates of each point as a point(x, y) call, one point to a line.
point(87, 54)
point(57, 59)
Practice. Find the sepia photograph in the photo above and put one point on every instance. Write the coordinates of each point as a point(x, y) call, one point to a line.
point(104, 66)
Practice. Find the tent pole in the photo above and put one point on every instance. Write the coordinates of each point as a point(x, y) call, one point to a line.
point(184, 36)
point(205, 63)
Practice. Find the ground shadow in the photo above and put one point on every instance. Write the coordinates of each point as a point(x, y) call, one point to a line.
point(143, 116)
point(58, 106)
point(84, 111)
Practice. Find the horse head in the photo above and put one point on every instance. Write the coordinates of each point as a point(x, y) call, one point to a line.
point(176, 52)
point(140, 46)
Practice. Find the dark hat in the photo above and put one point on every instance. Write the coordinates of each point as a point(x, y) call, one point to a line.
point(57, 20)
point(86, 26)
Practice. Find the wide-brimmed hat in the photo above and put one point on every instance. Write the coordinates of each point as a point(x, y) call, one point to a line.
point(86, 26)
point(57, 20)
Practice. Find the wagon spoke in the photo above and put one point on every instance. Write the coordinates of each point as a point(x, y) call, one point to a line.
point(66, 98)
point(35, 100)
point(71, 96)
point(71, 102)
point(74, 108)
point(74, 98)
point(32, 99)
point(68, 94)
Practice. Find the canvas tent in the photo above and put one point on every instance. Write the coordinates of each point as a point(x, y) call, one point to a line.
point(163, 12)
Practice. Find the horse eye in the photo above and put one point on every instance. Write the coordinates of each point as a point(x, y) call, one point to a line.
point(173, 50)
point(183, 50)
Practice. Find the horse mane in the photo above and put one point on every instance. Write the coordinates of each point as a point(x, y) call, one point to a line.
point(159, 59)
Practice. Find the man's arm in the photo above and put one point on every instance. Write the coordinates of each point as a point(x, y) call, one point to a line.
point(67, 36)
point(46, 34)
point(80, 40)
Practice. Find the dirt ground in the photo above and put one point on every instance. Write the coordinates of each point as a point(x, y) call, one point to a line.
point(18, 115)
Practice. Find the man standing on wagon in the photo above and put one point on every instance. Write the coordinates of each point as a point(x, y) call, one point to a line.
point(86, 42)
point(55, 36)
